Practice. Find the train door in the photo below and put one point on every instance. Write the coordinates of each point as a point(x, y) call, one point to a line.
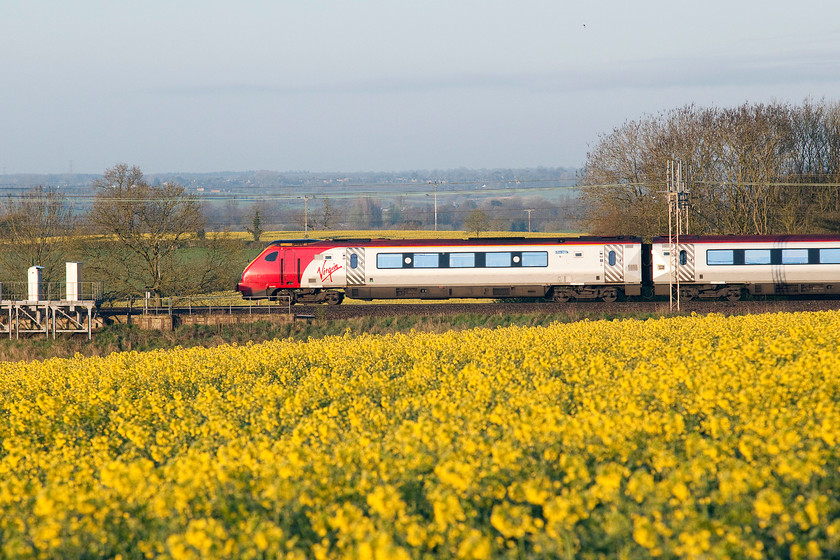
point(686, 263)
point(355, 266)
point(614, 263)
point(290, 268)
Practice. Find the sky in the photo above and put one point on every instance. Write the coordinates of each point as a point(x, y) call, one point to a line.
point(382, 85)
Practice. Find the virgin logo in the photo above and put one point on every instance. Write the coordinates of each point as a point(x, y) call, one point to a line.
point(326, 272)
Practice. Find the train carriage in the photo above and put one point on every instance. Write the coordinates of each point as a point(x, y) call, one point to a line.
point(728, 266)
point(559, 268)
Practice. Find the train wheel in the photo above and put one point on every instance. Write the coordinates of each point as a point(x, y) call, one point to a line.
point(560, 297)
point(334, 298)
point(734, 295)
point(609, 295)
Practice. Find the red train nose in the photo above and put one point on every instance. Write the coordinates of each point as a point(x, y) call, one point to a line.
point(244, 289)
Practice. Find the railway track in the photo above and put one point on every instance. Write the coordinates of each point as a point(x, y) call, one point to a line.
point(583, 309)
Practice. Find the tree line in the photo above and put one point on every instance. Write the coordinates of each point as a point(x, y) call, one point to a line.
point(754, 169)
point(136, 237)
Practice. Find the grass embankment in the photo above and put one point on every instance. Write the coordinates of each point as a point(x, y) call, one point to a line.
point(120, 338)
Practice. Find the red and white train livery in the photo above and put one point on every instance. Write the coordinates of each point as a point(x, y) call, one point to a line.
point(725, 266)
point(558, 269)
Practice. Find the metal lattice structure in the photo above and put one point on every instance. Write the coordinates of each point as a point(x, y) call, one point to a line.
point(677, 225)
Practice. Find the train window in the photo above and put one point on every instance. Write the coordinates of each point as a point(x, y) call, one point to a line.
point(461, 260)
point(611, 258)
point(497, 260)
point(389, 260)
point(683, 257)
point(534, 258)
point(720, 257)
point(272, 256)
point(757, 256)
point(354, 260)
point(829, 256)
point(794, 256)
point(426, 260)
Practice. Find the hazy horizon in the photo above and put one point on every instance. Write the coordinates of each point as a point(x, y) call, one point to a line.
point(382, 86)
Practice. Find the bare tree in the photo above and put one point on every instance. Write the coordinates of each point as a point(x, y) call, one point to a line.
point(148, 224)
point(620, 184)
point(365, 213)
point(325, 219)
point(752, 169)
point(476, 222)
point(815, 161)
point(749, 144)
point(37, 228)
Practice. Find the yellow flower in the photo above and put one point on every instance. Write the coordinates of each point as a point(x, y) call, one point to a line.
point(702, 436)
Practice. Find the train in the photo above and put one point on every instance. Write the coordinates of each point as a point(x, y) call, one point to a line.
point(558, 269)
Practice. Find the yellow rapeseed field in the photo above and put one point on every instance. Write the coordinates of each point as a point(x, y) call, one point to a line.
point(690, 437)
